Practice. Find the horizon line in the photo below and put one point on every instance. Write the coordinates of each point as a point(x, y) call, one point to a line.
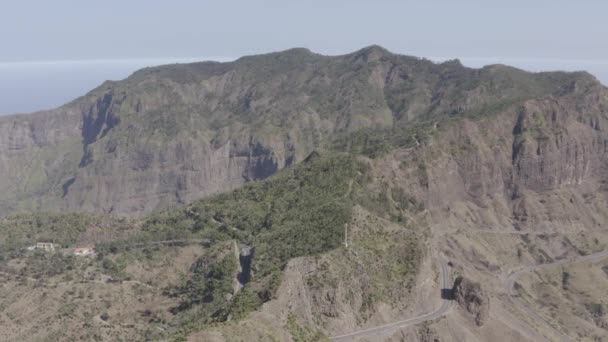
point(172, 60)
point(167, 60)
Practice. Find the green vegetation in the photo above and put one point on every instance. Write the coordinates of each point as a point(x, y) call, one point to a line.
point(298, 212)
point(116, 269)
point(374, 143)
point(301, 211)
point(493, 108)
point(301, 333)
point(44, 265)
point(244, 302)
point(65, 230)
point(394, 276)
point(209, 284)
point(25, 229)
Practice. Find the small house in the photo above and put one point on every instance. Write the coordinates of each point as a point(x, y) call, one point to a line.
point(84, 250)
point(43, 246)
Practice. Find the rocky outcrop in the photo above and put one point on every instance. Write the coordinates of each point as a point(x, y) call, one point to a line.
point(427, 334)
point(551, 148)
point(472, 299)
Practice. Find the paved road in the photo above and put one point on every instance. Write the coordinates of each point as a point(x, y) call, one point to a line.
point(509, 285)
point(171, 242)
point(386, 328)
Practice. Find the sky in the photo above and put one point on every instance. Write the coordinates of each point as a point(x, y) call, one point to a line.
point(54, 51)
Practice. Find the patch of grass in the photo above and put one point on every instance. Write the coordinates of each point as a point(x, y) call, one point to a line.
point(374, 143)
point(43, 265)
point(301, 333)
point(244, 302)
point(203, 294)
point(65, 229)
point(24, 229)
point(493, 108)
point(405, 251)
point(116, 269)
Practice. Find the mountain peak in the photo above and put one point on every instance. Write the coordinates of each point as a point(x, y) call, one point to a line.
point(298, 51)
point(375, 48)
point(372, 53)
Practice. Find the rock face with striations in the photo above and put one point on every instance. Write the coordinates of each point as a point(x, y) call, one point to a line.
point(171, 134)
point(472, 299)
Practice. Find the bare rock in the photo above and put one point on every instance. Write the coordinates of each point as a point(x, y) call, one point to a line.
point(472, 299)
point(427, 334)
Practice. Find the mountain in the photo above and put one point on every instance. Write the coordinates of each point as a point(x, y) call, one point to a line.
point(322, 196)
point(169, 135)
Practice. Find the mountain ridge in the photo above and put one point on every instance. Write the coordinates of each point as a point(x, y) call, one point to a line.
point(186, 131)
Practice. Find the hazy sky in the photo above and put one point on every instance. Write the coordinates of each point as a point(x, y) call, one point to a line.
point(536, 35)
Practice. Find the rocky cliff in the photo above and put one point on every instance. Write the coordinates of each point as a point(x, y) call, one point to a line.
point(472, 299)
point(168, 135)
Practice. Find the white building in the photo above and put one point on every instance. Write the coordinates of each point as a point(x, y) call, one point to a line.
point(43, 246)
point(84, 250)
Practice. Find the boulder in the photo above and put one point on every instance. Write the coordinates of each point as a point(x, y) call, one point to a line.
point(472, 299)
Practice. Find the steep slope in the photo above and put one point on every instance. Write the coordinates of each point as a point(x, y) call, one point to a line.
point(168, 135)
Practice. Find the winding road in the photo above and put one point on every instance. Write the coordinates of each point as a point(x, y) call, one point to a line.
point(387, 328)
point(509, 286)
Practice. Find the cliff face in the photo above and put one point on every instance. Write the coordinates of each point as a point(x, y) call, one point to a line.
point(38, 152)
point(520, 165)
point(171, 134)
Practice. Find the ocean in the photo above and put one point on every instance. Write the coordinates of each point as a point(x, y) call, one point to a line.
point(32, 86)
